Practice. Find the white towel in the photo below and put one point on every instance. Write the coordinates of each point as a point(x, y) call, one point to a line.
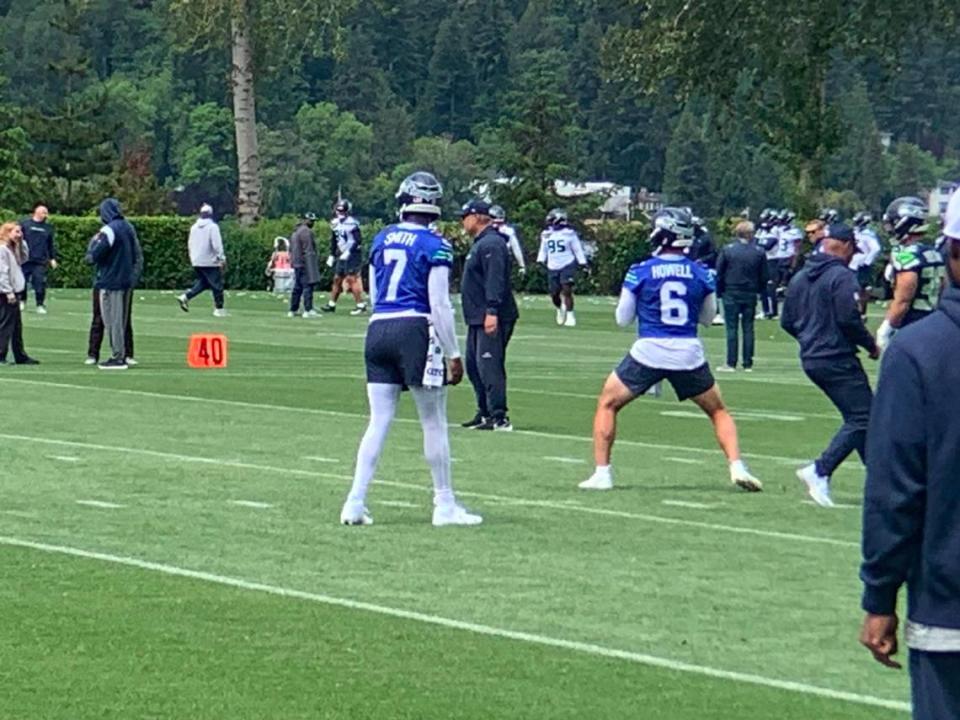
point(434, 371)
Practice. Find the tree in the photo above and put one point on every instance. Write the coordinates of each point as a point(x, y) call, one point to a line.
point(914, 170)
point(287, 30)
point(448, 96)
point(205, 171)
point(685, 173)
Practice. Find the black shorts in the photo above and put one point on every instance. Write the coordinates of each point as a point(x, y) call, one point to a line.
point(686, 383)
point(350, 266)
point(396, 351)
point(865, 277)
point(563, 276)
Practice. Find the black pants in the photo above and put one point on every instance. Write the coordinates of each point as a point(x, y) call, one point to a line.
point(301, 287)
point(845, 383)
point(739, 311)
point(36, 276)
point(486, 368)
point(11, 330)
point(96, 326)
point(208, 278)
point(935, 683)
point(770, 291)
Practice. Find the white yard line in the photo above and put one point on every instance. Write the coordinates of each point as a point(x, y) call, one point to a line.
point(688, 504)
point(842, 506)
point(99, 504)
point(684, 461)
point(400, 504)
point(64, 458)
point(424, 488)
point(317, 458)
point(738, 414)
point(251, 504)
point(567, 460)
point(466, 626)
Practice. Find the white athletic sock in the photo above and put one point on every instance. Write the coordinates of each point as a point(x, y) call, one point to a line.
point(738, 466)
point(383, 406)
point(602, 471)
point(432, 408)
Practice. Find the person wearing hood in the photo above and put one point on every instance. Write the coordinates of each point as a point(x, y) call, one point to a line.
point(306, 266)
point(911, 509)
point(822, 311)
point(208, 260)
point(113, 252)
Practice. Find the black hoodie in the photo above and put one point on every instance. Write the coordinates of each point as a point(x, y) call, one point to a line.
point(113, 250)
point(821, 311)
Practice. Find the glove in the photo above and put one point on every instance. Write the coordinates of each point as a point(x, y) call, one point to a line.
point(885, 334)
point(345, 256)
point(330, 261)
point(523, 272)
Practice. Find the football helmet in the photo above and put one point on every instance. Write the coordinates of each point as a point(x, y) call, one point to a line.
point(672, 227)
point(343, 207)
point(557, 216)
point(829, 215)
point(498, 214)
point(862, 219)
point(419, 193)
point(906, 216)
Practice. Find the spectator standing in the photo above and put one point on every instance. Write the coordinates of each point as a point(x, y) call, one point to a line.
point(822, 311)
point(38, 236)
point(742, 274)
point(208, 260)
point(306, 266)
point(490, 312)
point(95, 340)
point(911, 511)
point(113, 252)
point(12, 282)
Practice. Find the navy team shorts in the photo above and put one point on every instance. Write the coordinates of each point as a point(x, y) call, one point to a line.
point(350, 266)
point(396, 351)
point(563, 276)
point(685, 383)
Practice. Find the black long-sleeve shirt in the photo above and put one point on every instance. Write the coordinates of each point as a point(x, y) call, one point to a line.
point(39, 239)
point(485, 288)
point(741, 267)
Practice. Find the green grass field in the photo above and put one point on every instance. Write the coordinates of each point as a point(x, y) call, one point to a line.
point(169, 543)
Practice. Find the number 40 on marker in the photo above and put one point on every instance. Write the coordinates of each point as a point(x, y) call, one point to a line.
point(207, 351)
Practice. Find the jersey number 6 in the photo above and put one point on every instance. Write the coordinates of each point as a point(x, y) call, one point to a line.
point(673, 307)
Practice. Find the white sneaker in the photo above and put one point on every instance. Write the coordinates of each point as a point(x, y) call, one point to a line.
point(220, 312)
point(561, 316)
point(818, 487)
point(291, 314)
point(741, 477)
point(725, 368)
point(454, 515)
point(92, 361)
point(131, 362)
point(355, 514)
point(310, 314)
point(571, 320)
point(718, 320)
point(598, 481)
point(41, 310)
point(359, 310)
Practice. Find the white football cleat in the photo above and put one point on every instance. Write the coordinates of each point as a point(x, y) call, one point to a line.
point(291, 314)
point(454, 515)
point(718, 320)
point(220, 312)
point(818, 487)
point(561, 315)
point(90, 361)
point(131, 362)
point(310, 314)
point(598, 481)
point(726, 368)
point(571, 320)
point(41, 310)
point(741, 477)
point(355, 514)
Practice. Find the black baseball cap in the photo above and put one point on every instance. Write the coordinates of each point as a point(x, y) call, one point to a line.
point(841, 232)
point(475, 207)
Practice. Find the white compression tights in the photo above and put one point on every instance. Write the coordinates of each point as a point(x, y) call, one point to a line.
point(432, 408)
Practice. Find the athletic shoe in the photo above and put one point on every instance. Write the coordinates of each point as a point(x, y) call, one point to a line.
point(726, 368)
point(718, 320)
point(310, 314)
point(501, 425)
point(571, 320)
point(291, 314)
point(741, 477)
point(561, 314)
point(760, 316)
point(748, 370)
point(355, 514)
point(454, 515)
point(475, 422)
point(23, 306)
point(598, 481)
point(220, 312)
point(90, 361)
point(328, 308)
point(184, 303)
point(131, 362)
point(28, 361)
point(113, 364)
point(818, 487)
point(360, 309)
point(41, 310)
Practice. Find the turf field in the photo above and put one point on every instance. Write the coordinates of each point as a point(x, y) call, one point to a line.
point(169, 544)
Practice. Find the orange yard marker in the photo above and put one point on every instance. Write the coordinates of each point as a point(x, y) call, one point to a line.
point(207, 350)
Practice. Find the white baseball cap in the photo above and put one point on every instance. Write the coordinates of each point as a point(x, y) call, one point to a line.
point(206, 208)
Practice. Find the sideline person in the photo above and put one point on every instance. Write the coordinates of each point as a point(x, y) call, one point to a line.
point(208, 260)
point(12, 283)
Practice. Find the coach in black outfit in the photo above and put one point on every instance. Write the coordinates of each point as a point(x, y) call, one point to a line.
point(490, 313)
point(741, 277)
point(821, 310)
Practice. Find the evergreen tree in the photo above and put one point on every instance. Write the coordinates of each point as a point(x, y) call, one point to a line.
point(685, 180)
point(450, 91)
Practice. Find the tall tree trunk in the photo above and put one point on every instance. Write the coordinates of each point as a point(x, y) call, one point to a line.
point(249, 190)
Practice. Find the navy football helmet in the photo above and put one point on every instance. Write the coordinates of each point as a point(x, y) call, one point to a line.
point(829, 215)
point(862, 219)
point(498, 214)
point(906, 216)
point(343, 207)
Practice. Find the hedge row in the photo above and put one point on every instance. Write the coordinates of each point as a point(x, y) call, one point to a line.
point(167, 264)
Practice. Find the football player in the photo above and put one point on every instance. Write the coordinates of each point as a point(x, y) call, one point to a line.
point(561, 252)
point(669, 295)
point(790, 241)
point(411, 331)
point(768, 238)
point(345, 258)
point(868, 250)
point(499, 216)
point(917, 268)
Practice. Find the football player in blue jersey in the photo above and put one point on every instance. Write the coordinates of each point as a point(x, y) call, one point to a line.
point(411, 331)
point(346, 258)
point(669, 295)
point(918, 269)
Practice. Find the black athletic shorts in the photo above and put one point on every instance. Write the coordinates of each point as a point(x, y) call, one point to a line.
point(351, 266)
point(396, 351)
point(865, 276)
point(563, 276)
point(686, 383)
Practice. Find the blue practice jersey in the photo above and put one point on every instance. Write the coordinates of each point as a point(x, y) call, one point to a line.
point(402, 257)
point(670, 291)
